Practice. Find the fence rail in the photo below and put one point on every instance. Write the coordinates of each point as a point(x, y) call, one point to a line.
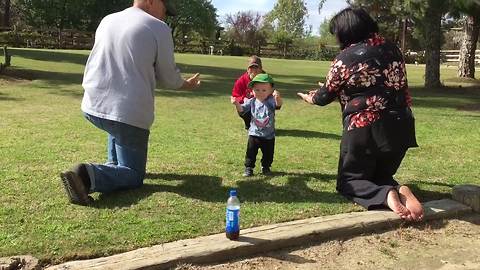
point(49, 38)
point(73, 39)
point(454, 55)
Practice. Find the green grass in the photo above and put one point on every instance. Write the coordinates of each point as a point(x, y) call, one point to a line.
point(196, 155)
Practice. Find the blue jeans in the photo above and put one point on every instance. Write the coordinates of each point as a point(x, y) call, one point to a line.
point(127, 157)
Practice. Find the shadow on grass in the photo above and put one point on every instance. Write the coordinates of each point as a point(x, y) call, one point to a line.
point(210, 189)
point(306, 134)
point(255, 189)
point(50, 56)
point(5, 97)
point(218, 81)
point(54, 77)
point(464, 99)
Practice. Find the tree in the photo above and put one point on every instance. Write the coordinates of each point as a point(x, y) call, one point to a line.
point(394, 18)
point(466, 64)
point(58, 14)
point(246, 28)
point(288, 21)
point(432, 33)
point(6, 13)
point(326, 38)
point(426, 15)
point(194, 17)
point(93, 11)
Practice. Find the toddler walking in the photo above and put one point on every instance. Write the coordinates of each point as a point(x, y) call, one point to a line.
point(261, 133)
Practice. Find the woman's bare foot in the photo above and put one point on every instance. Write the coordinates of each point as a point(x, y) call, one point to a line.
point(410, 201)
point(394, 203)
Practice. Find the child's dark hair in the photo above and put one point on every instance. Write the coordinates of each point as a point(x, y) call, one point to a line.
point(352, 25)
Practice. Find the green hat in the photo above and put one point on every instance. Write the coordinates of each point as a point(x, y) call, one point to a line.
point(261, 78)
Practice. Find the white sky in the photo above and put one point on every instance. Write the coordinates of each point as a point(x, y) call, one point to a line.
point(263, 6)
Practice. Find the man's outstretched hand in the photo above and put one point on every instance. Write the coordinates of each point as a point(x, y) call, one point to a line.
point(192, 82)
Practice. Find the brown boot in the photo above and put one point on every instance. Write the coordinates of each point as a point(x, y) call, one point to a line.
point(75, 186)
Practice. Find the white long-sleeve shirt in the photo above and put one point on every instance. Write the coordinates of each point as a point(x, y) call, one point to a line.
point(132, 51)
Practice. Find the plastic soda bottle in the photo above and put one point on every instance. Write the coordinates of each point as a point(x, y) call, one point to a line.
point(232, 227)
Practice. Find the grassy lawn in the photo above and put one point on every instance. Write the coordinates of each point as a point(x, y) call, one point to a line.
point(196, 155)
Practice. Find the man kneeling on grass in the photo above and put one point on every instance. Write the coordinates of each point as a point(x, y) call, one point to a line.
point(133, 49)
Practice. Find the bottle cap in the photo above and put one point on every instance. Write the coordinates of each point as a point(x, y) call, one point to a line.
point(233, 192)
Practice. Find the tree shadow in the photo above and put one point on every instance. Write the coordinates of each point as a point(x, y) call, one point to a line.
point(5, 97)
point(124, 198)
point(194, 186)
point(16, 75)
point(255, 189)
point(218, 81)
point(54, 77)
point(50, 55)
point(306, 134)
point(447, 97)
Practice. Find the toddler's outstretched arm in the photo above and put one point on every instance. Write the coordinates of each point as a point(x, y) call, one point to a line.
point(237, 105)
point(278, 99)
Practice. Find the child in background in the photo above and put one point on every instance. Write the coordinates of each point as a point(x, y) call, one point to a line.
point(241, 91)
point(261, 133)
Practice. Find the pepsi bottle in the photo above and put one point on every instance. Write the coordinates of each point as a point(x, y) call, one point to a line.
point(232, 226)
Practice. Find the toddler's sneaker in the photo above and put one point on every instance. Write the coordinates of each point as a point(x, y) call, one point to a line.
point(266, 171)
point(248, 172)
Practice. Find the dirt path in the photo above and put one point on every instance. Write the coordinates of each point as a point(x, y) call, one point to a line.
point(446, 245)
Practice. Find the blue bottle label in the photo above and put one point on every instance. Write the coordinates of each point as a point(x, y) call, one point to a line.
point(232, 221)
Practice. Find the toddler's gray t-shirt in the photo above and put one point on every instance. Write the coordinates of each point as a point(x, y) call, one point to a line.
point(263, 117)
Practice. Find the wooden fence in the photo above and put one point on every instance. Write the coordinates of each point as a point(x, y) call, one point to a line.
point(454, 56)
point(72, 39)
point(64, 39)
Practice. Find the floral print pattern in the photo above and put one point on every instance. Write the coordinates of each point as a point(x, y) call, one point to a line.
point(363, 76)
point(376, 103)
point(360, 77)
point(395, 75)
point(375, 40)
point(362, 119)
point(338, 73)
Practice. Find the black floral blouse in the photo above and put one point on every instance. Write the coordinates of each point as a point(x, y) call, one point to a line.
point(369, 79)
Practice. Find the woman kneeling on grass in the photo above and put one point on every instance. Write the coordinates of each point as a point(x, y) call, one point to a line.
point(369, 79)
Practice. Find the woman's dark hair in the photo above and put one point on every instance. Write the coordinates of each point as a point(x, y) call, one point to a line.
point(352, 25)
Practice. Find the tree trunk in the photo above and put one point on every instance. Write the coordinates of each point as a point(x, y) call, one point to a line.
point(404, 33)
point(433, 38)
point(6, 14)
point(466, 64)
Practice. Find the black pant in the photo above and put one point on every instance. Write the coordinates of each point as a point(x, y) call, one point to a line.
point(366, 178)
point(247, 117)
point(266, 145)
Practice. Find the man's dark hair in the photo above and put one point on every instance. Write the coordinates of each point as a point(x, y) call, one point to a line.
point(352, 25)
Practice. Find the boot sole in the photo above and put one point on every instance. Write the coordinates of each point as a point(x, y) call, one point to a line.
point(72, 192)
